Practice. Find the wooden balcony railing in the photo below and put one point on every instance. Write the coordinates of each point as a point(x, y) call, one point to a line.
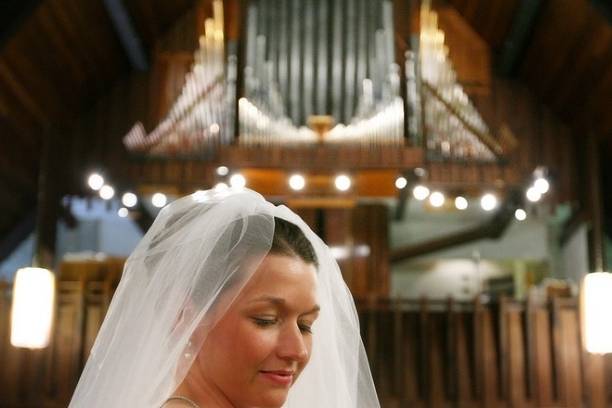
point(422, 353)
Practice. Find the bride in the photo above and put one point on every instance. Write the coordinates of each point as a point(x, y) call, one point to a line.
point(229, 301)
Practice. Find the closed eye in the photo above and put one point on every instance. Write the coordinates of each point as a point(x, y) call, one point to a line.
point(264, 322)
point(304, 328)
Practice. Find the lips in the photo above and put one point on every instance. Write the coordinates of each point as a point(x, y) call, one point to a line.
point(279, 377)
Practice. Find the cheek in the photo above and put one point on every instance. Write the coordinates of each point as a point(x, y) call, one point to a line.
point(254, 344)
point(237, 345)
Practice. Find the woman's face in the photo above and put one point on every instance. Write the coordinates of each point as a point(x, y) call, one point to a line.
point(262, 343)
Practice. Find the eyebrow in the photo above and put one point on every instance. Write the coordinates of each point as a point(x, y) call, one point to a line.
point(281, 302)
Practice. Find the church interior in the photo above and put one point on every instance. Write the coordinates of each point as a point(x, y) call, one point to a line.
point(455, 155)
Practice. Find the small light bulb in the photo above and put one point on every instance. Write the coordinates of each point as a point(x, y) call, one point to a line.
point(159, 200)
point(533, 194)
point(237, 181)
point(95, 181)
point(107, 192)
point(342, 182)
point(542, 185)
point(461, 203)
point(129, 199)
point(436, 199)
point(488, 202)
point(520, 214)
point(401, 182)
point(420, 192)
point(297, 182)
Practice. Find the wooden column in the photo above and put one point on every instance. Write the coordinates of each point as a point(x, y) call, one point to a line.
point(49, 195)
point(593, 200)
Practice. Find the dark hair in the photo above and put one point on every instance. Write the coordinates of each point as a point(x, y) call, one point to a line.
point(290, 240)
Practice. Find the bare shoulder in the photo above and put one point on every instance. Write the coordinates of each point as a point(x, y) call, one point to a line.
point(176, 404)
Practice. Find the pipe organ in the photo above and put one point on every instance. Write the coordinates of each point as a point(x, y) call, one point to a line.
point(201, 118)
point(454, 128)
point(320, 72)
point(323, 57)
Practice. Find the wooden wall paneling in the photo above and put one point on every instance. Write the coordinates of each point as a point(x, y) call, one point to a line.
point(498, 24)
point(4, 323)
point(540, 351)
point(34, 371)
point(449, 356)
point(68, 339)
point(378, 241)
point(590, 64)
point(572, 353)
point(568, 355)
point(119, 122)
point(371, 338)
point(485, 353)
point(93, 316)
point(338, 233)
point(575, 32)
point(464, 373)
point(469, 53)
point(409, 394)
point(420, 356)
point(608, 376)
point(600, 94)
point(435, 362)
point(501, 316)
point(396, 355)
point(595, 386)
point(424, 368)
point(10, 357)
point(516, 356)
point(384, 347)
point(361, 265)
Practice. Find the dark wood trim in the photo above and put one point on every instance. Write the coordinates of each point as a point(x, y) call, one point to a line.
point(492, 229)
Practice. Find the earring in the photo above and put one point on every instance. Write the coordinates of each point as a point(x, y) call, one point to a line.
point(188, 354)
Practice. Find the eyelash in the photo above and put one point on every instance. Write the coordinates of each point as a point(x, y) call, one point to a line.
point(269, 322)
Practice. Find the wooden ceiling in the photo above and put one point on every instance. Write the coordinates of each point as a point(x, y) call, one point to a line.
point(58, 57)
point(565, 58)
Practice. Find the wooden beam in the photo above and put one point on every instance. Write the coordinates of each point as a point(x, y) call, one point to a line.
point(19, 232)
point(597, 252)
point(129, 37)
point(519, 36)
point(12, 17)
point(51, 175)
point(323, 157)
point(570, 227)
point(492, 229)
point(22, 95)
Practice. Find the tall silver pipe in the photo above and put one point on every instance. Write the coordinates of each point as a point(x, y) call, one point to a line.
point(362, 44)
point(336, 59)
point(251, 34)
point(322, 57)
point(387, 24)
point(294, 92)
point(308, 61)
point(283, 51)
point(350, 61)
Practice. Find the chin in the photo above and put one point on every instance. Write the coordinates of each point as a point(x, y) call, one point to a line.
point(272, 399)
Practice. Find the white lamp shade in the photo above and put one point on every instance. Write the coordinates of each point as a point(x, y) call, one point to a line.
point(597, 304)
point(32, 309)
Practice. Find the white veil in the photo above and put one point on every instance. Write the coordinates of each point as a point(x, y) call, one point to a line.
point(195, 250)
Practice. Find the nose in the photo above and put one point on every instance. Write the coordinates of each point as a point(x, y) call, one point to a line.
point(292, 345)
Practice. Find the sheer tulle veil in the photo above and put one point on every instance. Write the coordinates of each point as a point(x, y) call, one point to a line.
point(201, 249)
